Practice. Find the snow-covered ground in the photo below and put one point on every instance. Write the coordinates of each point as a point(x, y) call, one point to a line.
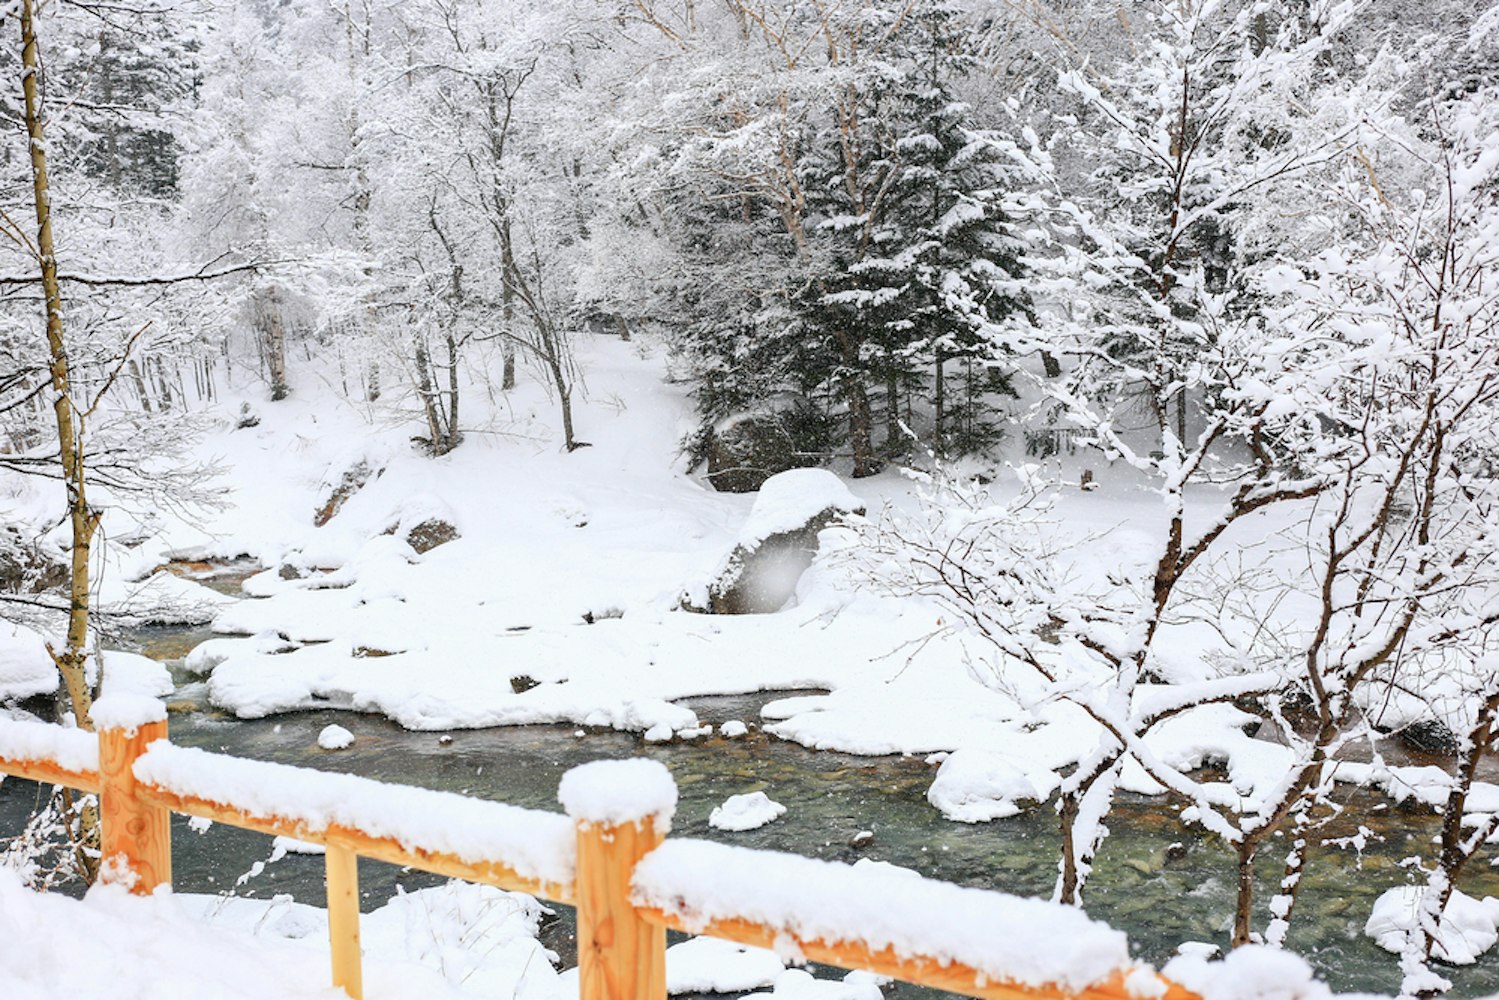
point(560, 601)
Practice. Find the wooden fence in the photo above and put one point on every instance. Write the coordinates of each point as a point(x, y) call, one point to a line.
point(141, 779)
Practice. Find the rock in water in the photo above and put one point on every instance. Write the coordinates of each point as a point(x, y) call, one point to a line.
point(745, 812)
point(777, 543)
point(335, 737)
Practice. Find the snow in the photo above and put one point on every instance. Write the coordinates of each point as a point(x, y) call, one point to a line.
point(452, 941)
point(25, 668)
point(615, 792)
point(788, 500)
point(975, 786)
point(535, 844)
point(733, 729)
point(745, 812)
point(1469, 926)
point(820, 900)
point(335, 737)
point(710, 965)
point(796, 984)
point(73, 749)
point(1250, 972)
point(127, 711)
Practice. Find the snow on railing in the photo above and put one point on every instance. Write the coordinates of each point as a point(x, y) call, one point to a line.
point(607, 857)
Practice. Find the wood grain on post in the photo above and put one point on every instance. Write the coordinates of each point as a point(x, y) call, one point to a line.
point(136, 838)
point(620, 956)
point(343, 920)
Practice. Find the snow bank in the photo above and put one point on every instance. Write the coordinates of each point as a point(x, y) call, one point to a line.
point(745, 812)
point(451, 941)
point(820, 900)
point(1470, 926)
point(535, 844)
point(614, 792)
point(74, 749)
point(25, 668)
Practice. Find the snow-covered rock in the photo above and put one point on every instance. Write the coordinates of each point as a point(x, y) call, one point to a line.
point(975, 786)
point(1470, 926)
point(778, 540)
point(745, 812)
point(335, 737)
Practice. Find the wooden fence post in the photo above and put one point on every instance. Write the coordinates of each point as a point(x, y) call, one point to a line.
point(343, 919)
point(136, 836)
point(620, 956)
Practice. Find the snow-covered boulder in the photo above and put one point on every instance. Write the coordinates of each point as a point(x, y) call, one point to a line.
point(425, 522)
point(1470, 926)
point(778, 541)
point(335, 737)
point(975, 786)
point(745, 812)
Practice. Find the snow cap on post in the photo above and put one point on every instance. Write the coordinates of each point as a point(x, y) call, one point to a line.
point(127, 711)
point(616, 792)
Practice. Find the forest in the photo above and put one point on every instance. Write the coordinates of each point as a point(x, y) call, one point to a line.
point(1154, 343)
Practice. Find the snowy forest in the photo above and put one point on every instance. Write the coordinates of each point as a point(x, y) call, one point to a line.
point(1079, 415)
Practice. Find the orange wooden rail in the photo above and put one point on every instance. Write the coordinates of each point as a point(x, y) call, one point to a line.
point(621, 945)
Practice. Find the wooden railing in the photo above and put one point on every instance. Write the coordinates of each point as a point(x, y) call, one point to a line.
point(589, 859)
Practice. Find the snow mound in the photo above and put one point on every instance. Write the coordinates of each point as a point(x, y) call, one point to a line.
point(975, 786)
point(745, 812)
point(789, 500)
point(1470, 926)
point(711, 965)
point(335, 737)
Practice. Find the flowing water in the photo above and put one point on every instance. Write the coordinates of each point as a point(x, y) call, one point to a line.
point(1154, 880)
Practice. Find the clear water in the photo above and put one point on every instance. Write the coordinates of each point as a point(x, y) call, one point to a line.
point(1153, 880)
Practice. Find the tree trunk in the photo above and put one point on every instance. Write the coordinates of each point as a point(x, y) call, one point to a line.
point(275, 347)
point(860, 432)
point(72, 660)
point(939, 405)
point(1244, 899)
point(893, 435)
point(507, 298)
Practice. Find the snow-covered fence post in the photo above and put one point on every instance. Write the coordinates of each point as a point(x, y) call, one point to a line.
point(622, 809)
point(343, 919)
point(135, 835)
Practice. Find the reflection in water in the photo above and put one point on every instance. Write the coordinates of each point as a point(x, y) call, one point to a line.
point(1153, 880)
